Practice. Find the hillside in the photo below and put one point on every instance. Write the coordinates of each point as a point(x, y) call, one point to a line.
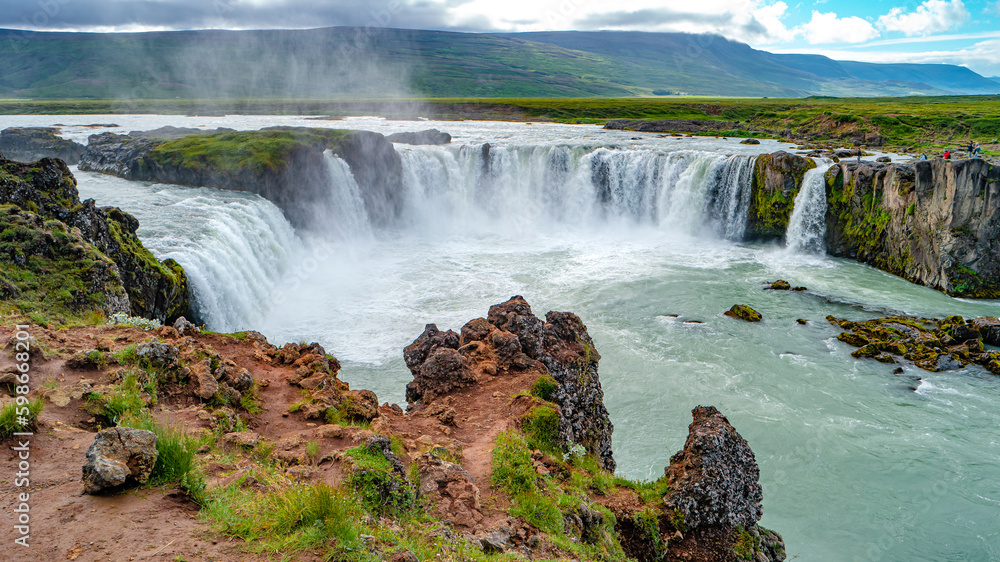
point(351, 62)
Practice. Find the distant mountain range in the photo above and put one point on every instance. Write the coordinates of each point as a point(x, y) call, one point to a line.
point(355, 62)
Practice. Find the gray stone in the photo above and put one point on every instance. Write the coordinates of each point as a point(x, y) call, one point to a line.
point(119, 456)
point(159, 355)
point(182, 325)
point(714, 479)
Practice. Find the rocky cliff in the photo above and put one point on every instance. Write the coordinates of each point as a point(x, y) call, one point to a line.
point(513, 339)
point(543, 377)
point(933, 222)
point(777, 179)
point(53, 242)
point(282, 164)
point(29, 144)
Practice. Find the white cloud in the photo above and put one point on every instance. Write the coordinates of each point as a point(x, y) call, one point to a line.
point(770, 17)
point(982, 57)
point(932, 16)
point(828, 28)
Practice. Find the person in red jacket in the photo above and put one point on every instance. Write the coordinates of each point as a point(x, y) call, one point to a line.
point(947, 155)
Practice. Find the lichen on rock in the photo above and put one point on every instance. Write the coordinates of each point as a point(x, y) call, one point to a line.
point(744, 312)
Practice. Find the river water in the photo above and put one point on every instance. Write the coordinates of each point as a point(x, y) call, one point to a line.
point(640, 238)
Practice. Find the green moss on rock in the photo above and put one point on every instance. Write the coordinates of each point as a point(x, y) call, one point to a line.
point(744, 312)
point(777, 179)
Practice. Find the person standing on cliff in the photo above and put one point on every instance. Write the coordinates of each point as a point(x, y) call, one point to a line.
point(971, 150)
point(947, 154)
point(977, 153)
point(859, 155)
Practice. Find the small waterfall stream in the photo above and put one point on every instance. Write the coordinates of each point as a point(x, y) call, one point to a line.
point(807, 226)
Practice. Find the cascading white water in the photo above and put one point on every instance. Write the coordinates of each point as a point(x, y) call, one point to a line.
point(235, 247)
point(807, 225)
point(729, 199)
point(343, 217)
point(523, 188)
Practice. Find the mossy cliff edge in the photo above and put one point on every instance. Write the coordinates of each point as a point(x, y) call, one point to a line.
point(934, 222)
point(61, 258)
point(777, 179)
point(285, 165)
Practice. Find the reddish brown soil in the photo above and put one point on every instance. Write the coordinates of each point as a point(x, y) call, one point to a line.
point(160, 523)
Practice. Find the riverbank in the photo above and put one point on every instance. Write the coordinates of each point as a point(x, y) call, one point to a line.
point(909, 124)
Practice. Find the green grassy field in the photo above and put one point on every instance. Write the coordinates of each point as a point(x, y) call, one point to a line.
point(916, 123)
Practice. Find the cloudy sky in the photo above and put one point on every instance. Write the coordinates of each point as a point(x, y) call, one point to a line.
point(951, 31)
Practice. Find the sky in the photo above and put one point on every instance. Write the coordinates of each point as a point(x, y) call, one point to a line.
point(933, 31)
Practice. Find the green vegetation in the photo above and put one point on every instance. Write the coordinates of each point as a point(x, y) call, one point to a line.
point(381, 490)
point(50, 274)
point(541, 427)
point(923, 123)
point(544, 388)
point(543, 500)
point(244, 152)
point(175, 462)
point(122, 401)
point(10, 413)
point(745, 544)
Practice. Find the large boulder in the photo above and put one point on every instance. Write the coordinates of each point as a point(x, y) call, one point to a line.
point(436, 365)
point(714, 479)
point(119, 456)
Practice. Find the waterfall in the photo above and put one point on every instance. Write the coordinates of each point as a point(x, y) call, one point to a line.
point(807, 226)
point(343, 217)
point(234, 255)
point(729, 196)
point(521, 189)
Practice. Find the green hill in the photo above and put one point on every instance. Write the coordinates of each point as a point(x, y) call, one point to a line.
point(353, 62)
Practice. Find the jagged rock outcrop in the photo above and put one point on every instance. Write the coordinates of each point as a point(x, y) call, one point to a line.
point(53, 224)
point(711, 505)
point(777, 179)
point(430, 136)
point(714, 479)
point(285, 165)
point(30, 144)
point(933, 222)
point(513, 339)
point(119, 456)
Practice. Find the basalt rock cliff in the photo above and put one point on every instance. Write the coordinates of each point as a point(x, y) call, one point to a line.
point(285, 165)
point(933, 222)
point(59, 253)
